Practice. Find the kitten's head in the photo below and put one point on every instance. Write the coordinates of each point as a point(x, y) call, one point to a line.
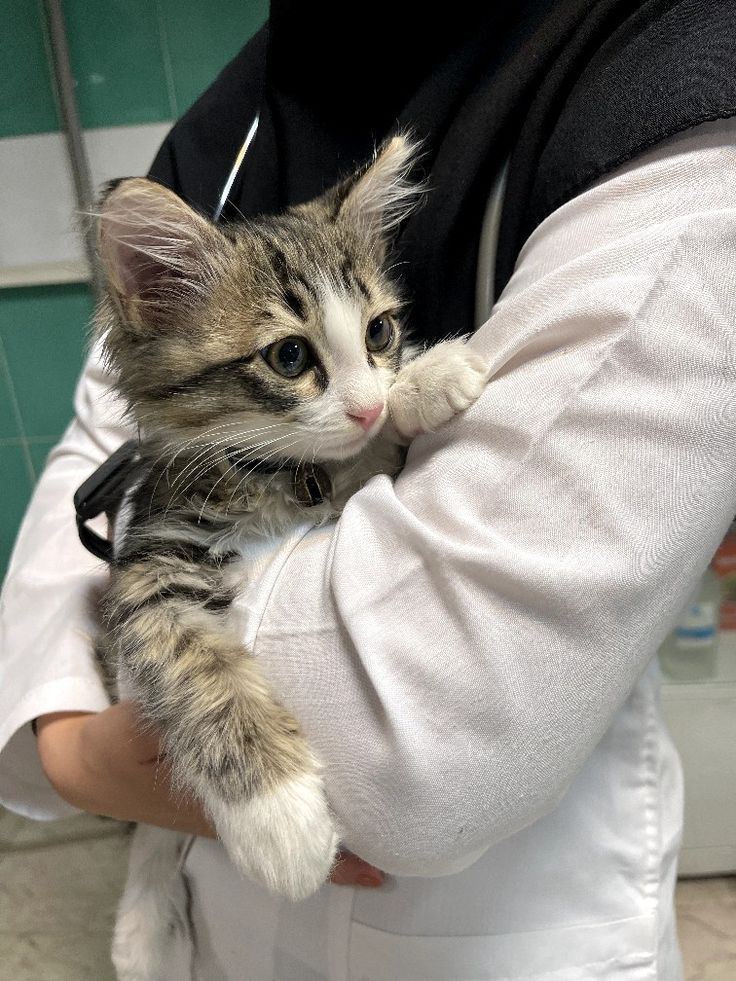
point(280, 335)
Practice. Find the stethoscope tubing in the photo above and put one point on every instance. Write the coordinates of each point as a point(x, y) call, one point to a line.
point(484, 287)
point(249, 137)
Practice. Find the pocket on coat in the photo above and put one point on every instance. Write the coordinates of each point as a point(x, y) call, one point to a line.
point(616, 951)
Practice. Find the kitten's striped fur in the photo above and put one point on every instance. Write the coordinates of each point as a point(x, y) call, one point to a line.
point(192, 325)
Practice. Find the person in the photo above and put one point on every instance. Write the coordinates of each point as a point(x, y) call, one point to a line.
point(470, 648)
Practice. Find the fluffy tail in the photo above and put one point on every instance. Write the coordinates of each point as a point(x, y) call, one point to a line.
point(152, 926)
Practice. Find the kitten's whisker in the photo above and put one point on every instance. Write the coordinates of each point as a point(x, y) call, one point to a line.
point(193, 464)
point(253, 469)
point(207, 432)
point(233, 466)
point(210, 454)
point(211, 460)
point(194, 470)
point(395, 265)
point(280, 470)
point(223, 440)
point(202, 468)
point(237, 433)
point(233, 205)
point(318, 450)
point(170, 445)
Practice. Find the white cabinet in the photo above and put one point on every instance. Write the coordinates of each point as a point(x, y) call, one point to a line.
point(702, 719)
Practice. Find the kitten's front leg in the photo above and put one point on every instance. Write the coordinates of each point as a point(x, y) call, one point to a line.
point(435, 386)
point(226, 737)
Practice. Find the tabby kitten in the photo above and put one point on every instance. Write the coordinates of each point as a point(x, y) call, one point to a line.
point(267, 369)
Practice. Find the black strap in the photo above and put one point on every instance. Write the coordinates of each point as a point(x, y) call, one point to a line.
point(102, 493)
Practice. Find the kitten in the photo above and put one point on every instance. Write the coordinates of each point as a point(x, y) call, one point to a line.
point(266, 366)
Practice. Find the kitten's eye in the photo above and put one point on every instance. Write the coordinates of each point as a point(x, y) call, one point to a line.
point(288, 357)
point(379, 334)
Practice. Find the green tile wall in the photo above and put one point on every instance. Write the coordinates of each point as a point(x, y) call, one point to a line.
point(134, 61)
point(39, 449)
point(9, 426)
point(118, 62)
point(43, 334)
point(17, 486)
point(201, 38)
point(26, 97)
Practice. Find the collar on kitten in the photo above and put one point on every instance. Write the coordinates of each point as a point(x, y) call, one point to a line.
point(310, 483)
point(104, 490)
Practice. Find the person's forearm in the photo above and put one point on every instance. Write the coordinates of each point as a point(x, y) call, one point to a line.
point(108, 763)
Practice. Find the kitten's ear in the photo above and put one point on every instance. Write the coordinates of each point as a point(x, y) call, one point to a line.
point(379, 197)
point(157, 252)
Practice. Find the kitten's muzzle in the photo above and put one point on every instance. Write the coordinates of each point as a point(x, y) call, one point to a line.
point(367, 417)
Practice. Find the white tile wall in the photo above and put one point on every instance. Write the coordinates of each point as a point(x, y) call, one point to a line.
point(38, 237)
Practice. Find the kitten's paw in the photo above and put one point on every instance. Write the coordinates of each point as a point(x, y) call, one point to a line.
point(285, 839)
point(435, 386)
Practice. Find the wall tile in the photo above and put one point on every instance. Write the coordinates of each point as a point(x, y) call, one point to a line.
point(118, 62)
point(39, 450)
point(9, 427)
point(123, 151)
point(44, 332)
point(16, 491)
point(38, 208)
point(200, 39)
point(134, 61)
point(37, 203)
point(27, 102)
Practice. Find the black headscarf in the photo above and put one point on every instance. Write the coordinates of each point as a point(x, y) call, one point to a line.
point(477, 83)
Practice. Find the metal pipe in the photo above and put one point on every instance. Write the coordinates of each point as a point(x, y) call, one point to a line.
point(72, 130)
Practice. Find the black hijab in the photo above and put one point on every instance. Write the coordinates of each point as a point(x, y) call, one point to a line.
point(478, 83)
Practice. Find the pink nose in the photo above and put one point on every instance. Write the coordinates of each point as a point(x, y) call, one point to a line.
point(366, 417)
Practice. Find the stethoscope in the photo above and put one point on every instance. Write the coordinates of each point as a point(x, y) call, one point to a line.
point(235, 170)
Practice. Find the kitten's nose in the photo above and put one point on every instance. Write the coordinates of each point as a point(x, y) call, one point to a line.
point(366, 417)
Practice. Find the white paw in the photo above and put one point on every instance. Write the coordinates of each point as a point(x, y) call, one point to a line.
point(285, 839)
point(435, 386)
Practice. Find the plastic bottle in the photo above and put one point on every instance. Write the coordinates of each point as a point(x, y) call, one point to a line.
point(689, 651)
point(724, 566)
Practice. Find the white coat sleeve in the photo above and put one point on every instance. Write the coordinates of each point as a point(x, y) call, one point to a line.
point(457, 644)
point(47, 603)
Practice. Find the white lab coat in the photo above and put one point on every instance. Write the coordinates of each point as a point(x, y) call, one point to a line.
point(471, 655)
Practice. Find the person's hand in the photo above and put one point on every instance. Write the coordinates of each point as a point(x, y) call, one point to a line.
point(110, 763)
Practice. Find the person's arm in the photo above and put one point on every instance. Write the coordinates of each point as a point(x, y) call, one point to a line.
point(47, 616)
point(109, 763)
point(458, 643)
